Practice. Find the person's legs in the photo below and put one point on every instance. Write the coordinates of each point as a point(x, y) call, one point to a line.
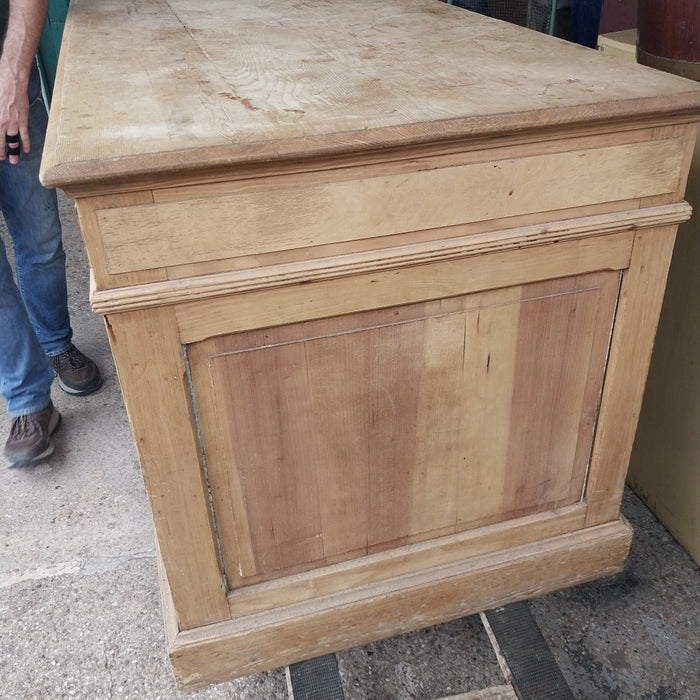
point(25, 377)
point(35, 332)
point(585, 21)
point(25, 373)
point(31, 215)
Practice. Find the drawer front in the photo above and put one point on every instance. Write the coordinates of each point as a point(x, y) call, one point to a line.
point(308, 215)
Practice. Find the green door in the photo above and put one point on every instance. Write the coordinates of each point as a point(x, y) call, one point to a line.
point(50, 42)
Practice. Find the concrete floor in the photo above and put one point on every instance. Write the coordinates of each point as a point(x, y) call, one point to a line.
point(80, 611)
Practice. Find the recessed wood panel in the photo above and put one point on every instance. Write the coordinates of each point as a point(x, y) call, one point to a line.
point(332, 439)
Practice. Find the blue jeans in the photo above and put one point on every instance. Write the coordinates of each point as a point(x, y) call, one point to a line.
point(585, 20)
point(479, 6)
point(34, 320)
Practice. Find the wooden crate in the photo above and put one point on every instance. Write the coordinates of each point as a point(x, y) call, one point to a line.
point(381, 281)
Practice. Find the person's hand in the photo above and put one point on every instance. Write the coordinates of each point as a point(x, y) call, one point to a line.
point(24, 25)
point(14, 114)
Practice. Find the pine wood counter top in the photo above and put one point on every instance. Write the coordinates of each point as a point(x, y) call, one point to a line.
point(149, 88)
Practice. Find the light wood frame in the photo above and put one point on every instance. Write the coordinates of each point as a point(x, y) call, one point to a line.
point(544, 209)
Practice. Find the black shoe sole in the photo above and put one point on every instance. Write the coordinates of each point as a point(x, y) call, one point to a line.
point(36, 459)
point(85, 391)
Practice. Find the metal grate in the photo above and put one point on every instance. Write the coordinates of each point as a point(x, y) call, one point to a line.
point(316, 679)
point(534, 670)
point(548, 16)
point(513, 11)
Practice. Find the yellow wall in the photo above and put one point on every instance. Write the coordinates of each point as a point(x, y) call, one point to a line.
point(665, 465)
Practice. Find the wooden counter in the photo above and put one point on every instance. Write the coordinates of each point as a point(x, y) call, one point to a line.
point(381, 280)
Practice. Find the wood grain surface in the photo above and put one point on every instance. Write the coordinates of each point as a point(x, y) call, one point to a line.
point(148, 86)
point(381, 279)
point(335, 439)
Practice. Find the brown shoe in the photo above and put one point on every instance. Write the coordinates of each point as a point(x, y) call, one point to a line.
point(77, 374)
point(30, 436)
